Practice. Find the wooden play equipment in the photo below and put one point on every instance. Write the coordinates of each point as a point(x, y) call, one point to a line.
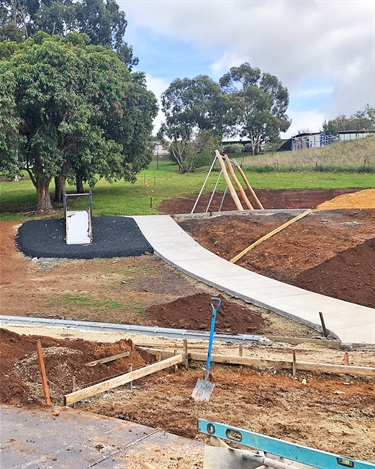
point(228, 167)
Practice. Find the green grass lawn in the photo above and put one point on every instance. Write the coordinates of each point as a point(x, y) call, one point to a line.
point(18, 199)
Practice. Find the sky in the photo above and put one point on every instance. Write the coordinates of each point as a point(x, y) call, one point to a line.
point(322, 51)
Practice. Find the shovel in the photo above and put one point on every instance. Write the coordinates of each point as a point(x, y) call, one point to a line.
point(203, 389)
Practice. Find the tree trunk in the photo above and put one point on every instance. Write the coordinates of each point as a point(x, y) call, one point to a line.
point(43, 198)
point(60, 182)
point(79, 185)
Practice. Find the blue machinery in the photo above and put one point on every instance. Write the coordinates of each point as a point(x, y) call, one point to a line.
point(301, 455)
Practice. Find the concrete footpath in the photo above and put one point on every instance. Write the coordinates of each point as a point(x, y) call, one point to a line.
point(350, 323)
point(64, 438)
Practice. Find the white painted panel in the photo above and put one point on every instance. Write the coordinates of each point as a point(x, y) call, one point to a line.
point(78, 227)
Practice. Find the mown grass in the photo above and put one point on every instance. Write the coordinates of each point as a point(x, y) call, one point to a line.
point(71, 303)
point(162, 181)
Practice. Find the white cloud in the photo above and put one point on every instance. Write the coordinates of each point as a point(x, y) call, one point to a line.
point(293, 40)
point(304, 121)
point(311, 92)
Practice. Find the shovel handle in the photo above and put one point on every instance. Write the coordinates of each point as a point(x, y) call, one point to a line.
point(212, 331)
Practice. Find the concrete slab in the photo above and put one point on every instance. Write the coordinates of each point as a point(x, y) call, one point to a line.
point(65, 438)
point(351, 323)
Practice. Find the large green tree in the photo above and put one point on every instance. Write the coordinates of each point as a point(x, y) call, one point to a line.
point(80, 112)
point(259, 104)
point(192, 105)
point(246, 103)
point(101, 20)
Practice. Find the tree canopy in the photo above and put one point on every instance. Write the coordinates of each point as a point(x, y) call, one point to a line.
point(73, 110)
point(101, 20)
point(245, 103)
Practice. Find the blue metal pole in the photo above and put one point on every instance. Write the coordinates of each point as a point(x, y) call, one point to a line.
point(212, 331)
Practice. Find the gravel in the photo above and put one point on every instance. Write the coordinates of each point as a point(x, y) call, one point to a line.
point(112, 237)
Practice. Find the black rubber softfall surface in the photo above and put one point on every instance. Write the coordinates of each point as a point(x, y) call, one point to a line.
point(112, 237)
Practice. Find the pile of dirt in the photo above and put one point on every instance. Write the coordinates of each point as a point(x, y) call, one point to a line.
point(194, 313)
point(310, 245)
point(360, 200)
point(310, 409)
point(350, 275)
point(64, 359)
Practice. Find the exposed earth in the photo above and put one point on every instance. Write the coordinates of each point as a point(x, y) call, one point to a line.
point(312, 409)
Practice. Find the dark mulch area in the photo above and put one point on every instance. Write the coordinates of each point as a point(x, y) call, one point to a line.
point(112, 237)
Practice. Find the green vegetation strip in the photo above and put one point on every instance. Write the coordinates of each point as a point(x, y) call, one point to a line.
point(162, 181)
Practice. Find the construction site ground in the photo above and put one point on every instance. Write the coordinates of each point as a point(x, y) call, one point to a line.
point(312, 409)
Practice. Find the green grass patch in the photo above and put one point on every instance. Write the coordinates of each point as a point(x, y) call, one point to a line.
point(72, 303)
point(162, 181)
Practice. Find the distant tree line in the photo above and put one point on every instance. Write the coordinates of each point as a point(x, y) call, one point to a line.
point(361, 120)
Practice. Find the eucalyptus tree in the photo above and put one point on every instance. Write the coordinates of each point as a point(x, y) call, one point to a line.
point(259, 103)
point(81, 113)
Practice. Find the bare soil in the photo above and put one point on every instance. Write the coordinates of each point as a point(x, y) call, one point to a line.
point(316, 410)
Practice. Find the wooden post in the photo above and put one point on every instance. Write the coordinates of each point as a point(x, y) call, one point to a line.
point(346, 363)
point(176, 366)
point(234, 177)
point(74, 387)
point(42, 370)
point(130, 368)
point(240, 350)
point(186, 354)
point(229, 183)
point(294, 364)
point(250, 189)
point(323, 324)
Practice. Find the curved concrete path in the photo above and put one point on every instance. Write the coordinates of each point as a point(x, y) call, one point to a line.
point(350, 323)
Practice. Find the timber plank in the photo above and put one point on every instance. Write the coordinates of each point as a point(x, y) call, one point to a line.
point(120, 380)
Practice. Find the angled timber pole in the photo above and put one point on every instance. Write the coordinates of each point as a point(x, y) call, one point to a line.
point(234, 177)
point(269, 235)
point(251, 190)
point(228, 181)
point(43, 374)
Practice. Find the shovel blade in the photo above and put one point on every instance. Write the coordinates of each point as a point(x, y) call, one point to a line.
point(203, 390)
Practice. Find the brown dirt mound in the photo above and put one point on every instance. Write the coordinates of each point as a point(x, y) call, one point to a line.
point(194, 313)
point(361, 200)
point(64, 359)
point(304, 245)
point(346, 276)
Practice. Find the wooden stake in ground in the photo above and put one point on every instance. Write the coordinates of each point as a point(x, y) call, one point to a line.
point(42, 370)
point(234, 177)
point(269, 235)
point(233, 193)
point(250, 189)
